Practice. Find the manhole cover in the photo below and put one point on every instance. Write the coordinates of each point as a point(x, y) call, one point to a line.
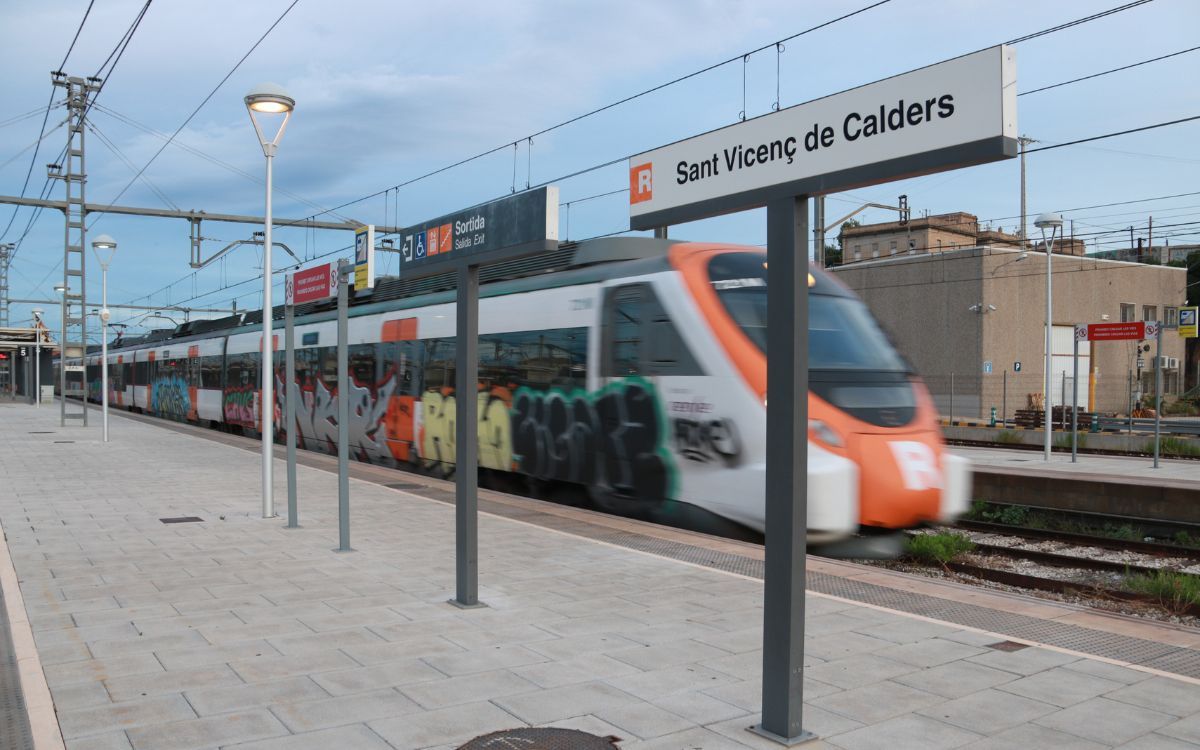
point(182, 519)
point(1008, 646)
point(541, 739)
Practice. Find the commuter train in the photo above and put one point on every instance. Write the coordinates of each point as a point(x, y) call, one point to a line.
point(631, 368)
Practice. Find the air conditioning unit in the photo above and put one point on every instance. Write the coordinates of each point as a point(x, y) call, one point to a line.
point(1172, 363)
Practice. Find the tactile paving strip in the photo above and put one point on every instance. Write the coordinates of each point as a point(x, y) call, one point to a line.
point(14, 722)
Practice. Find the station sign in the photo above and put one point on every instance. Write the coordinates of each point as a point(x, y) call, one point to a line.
point(953, 114)
point(364, 257)
point(486, 233)
point(1129, 331)
point(311, 284)
point(1188, 321)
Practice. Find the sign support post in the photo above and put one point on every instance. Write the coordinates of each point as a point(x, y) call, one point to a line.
point(344, 269)
point(290, 393)
point(466, 457)
point(1157, 388)
point(787, 472)
point(1075, 403)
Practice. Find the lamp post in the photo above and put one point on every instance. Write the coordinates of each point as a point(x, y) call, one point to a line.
point(265, 100)
point(105, 248)
point(1053, 222)
point(61, 291)
point(37, 357)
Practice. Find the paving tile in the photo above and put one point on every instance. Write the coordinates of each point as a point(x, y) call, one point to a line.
point(565, 648)
point(219, 700)
point(659, 682)
point(686, 740)
point(1186, 729)
point(1157, 741)
point(856, 671)
point(872, 704)
point(95, 670)
point(989, 711)
point(543, 706)
point(362, 679)
point(467, 689)
point(911, 731)
point(484, 660)
point(274, 667)
point(666, 655)
point(448, 726)
point(1104, 720)
point(583, 668)
point(839, 645)
point(349, 709)
point(906, 630)
point(1061, 687)
point(643, 720)
point(1027, 661)
point(199, 656)
point(1161, 694)
point(929, 653)
point(698, 707)
point(106, 718)
point(79, 695)
point(355, 737)
point(213, 731)
point(133, 687)
point(316, 643)
point(956, 679)
point(1108, 671)
point(140, 643)
point(1034, 737)
point(107, 741)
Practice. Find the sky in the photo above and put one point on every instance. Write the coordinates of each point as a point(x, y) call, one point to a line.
point(387, 92)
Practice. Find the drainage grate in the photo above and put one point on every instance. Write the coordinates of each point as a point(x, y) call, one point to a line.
point(541, 738)
point(14, 720)
point(41, 432)
point(1008, 646)
point(182, 519)
point(64, 441)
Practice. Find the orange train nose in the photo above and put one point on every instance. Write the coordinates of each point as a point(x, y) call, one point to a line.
point(904, 486)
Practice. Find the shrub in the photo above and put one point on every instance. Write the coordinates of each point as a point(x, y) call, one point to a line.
point(1063, 442)
point(1009, 437)
point(1173, 446)
point(938, 548)
point(1176, 591)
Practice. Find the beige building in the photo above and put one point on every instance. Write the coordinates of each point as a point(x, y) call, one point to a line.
point(932, 234)
point(971, 321)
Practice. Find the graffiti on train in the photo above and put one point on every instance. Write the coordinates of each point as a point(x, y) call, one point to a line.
point(317, 415)
point(241, 405)
point(613, 438)
point(169, 396)
point(494, 428)
point(706, 440)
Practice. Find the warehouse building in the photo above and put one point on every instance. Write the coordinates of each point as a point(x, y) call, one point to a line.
point(971, 321)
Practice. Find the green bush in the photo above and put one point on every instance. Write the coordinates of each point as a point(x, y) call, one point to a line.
point(1009, 437)
point(1063, 442)
point(1181, 407)
point(938, 548)
point(1009, 515)
point(1175, 591)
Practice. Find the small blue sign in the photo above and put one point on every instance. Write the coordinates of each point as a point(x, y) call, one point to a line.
point(987, 367)
point(419, 238)
point(1016, 366)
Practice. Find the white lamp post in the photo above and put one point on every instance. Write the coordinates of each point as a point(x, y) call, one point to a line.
point(37, 367)
point(105, 248)
point(265, 100)
point(1053, 222)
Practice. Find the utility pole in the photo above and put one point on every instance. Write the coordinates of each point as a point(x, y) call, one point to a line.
point(1150, 237)
point(819, 251)
point(1023, 141)
point(74, 296)
point(6, 377)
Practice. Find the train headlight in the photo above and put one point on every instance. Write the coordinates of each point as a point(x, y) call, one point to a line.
point(825, 433)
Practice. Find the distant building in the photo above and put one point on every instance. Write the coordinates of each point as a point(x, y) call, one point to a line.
point(968, 317)
point(934, 234)
point(1162, 254)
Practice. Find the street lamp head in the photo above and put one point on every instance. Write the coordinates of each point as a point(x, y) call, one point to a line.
point(37, 313)
point(269, 99)
point(105, 248)
point(60, 288)
point(1048, 221)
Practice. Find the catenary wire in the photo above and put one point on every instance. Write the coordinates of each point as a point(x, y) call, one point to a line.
point(1106, 72)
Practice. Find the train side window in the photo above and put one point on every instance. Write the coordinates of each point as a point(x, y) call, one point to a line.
point(210, 371)
point(640, 337)
point(141, 372)
point(623, 311)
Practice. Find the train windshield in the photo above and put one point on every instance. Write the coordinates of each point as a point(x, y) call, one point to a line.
point(841, 333)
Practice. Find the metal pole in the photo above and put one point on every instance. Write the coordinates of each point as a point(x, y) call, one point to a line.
point(1004, 400)
point(466, 470)
point(787, 472)
point(1129, 396)
point(268, 361)
point(1049, 400)
point(951, 400)
point(1062, 395)
point(104, 349)
point(343, 406)
point(1075, 405)
point(819, 210)
point(37, 367)
point(291, 392)
point(1157, 390)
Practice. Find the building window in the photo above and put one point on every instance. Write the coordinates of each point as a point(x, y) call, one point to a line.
point(892, 248)
point(1127, 312)
point(858, 252)
point(874, 249)
point(1149, 313)
point(1172, 316)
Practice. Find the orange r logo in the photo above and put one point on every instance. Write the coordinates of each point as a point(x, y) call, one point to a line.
point(641, 183)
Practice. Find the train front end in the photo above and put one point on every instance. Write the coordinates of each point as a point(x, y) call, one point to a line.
point(876, 458)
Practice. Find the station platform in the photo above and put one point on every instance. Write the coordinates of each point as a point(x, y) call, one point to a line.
point(1119, 485)
point(234, 632)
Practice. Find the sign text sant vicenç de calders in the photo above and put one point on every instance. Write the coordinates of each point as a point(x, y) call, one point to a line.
point(952, 114)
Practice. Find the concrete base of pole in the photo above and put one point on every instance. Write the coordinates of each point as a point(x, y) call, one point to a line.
point(799, 739)
point(460, 605)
